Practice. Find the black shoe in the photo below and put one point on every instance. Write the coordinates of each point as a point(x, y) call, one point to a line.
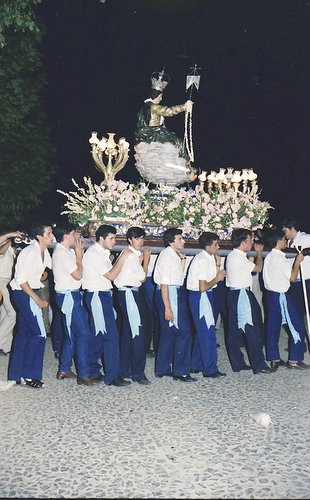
point(265, 370)
point(214, 375)
point(142, 381)
point(99, 378)
point(2, 353)
point(277, 364)
point(119, 382)
point(218, 346)
point(161, 375)
point(56, 355)
point(150, 354)
point(195, 371)
point(185, 378)
point(246, 367)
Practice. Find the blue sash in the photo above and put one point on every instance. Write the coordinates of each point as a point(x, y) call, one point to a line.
point(205, 310)
point(244, 311)
point(286, 317)
point(97, 312)
point(132, 309)
point(173, 298)
point(37, 312)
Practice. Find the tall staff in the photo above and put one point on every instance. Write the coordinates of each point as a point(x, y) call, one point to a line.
point(299, 248)
point(192, 80)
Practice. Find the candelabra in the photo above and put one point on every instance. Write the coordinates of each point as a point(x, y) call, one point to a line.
point(230, 180)
point(117, 154)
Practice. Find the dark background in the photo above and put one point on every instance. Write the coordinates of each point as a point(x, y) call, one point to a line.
point(252, 108)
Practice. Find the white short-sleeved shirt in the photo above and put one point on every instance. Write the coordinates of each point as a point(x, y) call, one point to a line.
point(168, 268)
point(29, 267)
point(96, 263)
point(303, 239)
point(238, 269)
point(6, 263)
point(132, 272)
point(202, 267)
point(64, 263)
point(277, 271)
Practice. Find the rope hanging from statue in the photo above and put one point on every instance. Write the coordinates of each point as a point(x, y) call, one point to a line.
point(193, 79)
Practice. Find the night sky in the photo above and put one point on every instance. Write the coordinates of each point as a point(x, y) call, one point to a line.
point(252, 108)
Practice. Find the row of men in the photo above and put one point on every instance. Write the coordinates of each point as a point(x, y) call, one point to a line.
point(90, 323)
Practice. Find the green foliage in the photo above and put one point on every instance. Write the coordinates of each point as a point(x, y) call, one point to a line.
point(25, 161)
point(18, 16)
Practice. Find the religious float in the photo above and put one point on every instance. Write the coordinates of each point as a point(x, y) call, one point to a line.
point(171, 192)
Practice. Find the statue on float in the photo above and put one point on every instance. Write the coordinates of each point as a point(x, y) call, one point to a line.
point(161, 156)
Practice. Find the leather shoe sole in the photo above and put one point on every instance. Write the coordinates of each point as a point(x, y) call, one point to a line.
point(265, 370)
point(214, 375)
point(184, 378)
point(298, 365)
point(277, 364)
point(84, 381)
point(99, 378)
point(62, 375)
point(142, 381)
point(246, 367)
point(119, 382)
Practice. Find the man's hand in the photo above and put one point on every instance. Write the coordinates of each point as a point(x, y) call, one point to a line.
point(146, 254)
point(221, 275)
point(259, 248)
point(41, 303)
point(168, 315)
point(79, 249)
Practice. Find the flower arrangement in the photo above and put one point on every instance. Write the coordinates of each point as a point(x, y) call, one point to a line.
point(193, 210)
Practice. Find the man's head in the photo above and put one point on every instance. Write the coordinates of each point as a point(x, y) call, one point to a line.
point(106, 236)
point(290, 227)
point(43, 234)
point(275, 238)
point(242, 239)
point(66, 234)
point(135, 237)
point(209, 242)
point(173, 237)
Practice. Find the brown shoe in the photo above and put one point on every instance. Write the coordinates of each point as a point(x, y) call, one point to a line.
point(84, 381)
point(277, 364)
point(62, 375)
point(299, 365)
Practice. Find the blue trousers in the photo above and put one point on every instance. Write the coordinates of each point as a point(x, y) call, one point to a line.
point(274, 322)
point(150, 321)
point(104, 346)
point(75, 346)
point(204, 351)
point(173, 355)
point(28, 346)
point(252, 338)
point(132, 350)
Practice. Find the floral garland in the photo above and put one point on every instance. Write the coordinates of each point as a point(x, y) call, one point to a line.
point(192, 210)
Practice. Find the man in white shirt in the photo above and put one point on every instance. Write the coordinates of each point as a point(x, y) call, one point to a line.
point(26, 361)
point(7, 311)
point(298, 240)
point(278, 274)
point(128, 283)
point(203, 275)
point(67, 270)
point(245, 325)
point(98, 274)
point(175, 338)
